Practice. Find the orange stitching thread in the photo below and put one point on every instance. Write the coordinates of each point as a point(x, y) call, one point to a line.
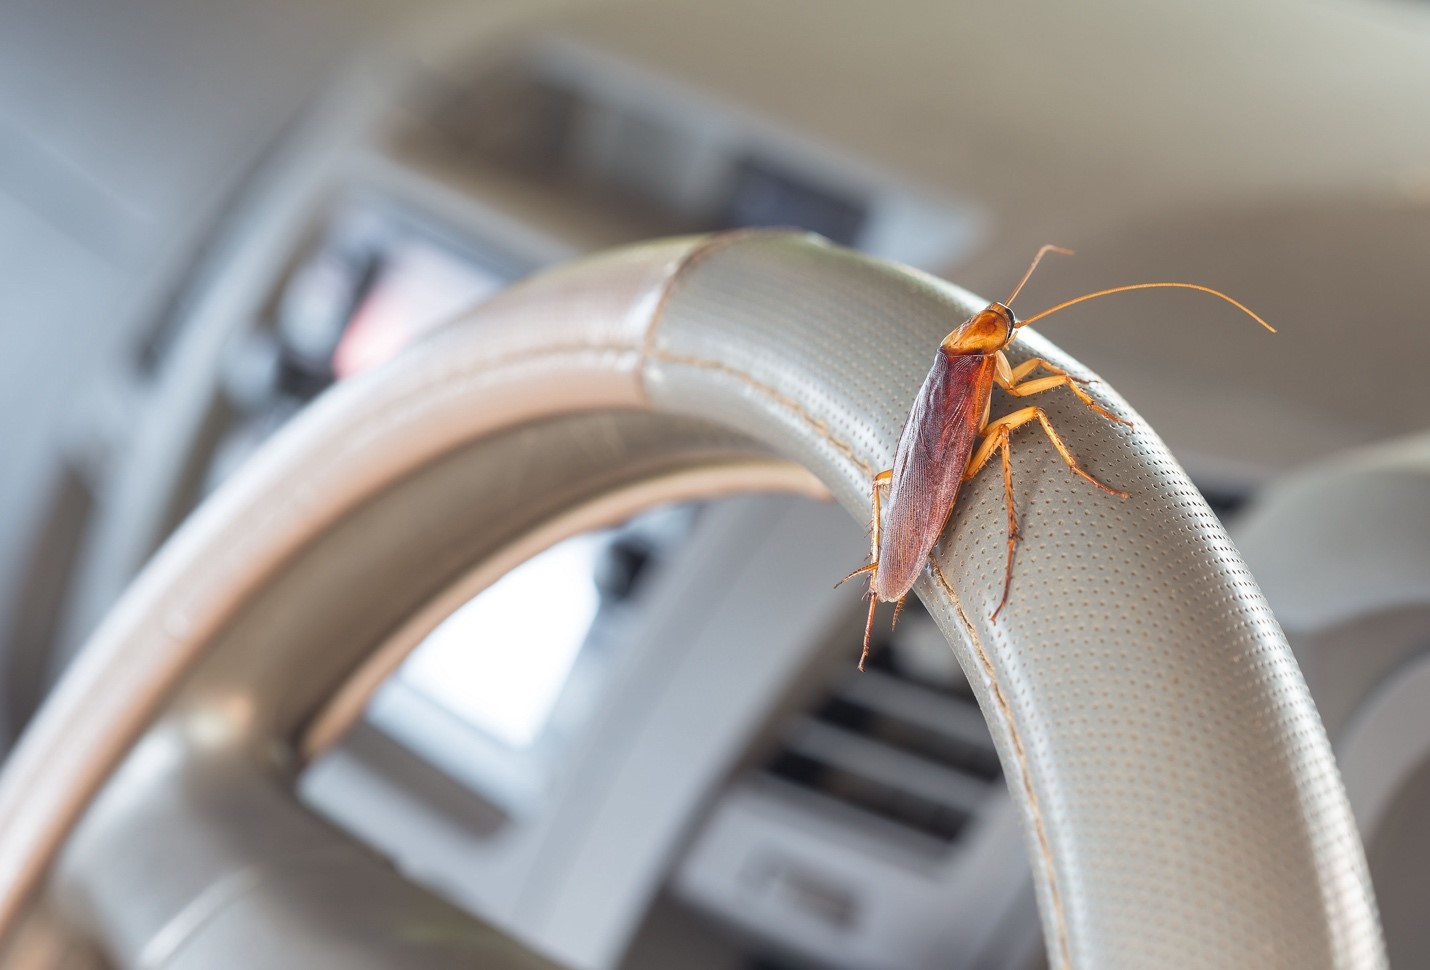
point(822, 430)
point(21, 883)
point(711, 245)
point(1044, 848)
point(818, 426)
point(649, 352)
point(481, 367)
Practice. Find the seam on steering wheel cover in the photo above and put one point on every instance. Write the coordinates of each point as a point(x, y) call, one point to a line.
point(1215, 816)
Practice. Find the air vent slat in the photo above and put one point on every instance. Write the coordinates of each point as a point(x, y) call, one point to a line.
point(892, 803)
point(917, 720)
point(902, 748)
point(855, 754)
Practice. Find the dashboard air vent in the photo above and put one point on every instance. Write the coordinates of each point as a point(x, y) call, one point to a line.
point(903, 743)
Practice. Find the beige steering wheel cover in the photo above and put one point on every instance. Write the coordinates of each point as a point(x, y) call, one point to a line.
point(1179, 797)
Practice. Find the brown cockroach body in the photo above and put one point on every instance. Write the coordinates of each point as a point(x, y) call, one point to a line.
point(948, 438)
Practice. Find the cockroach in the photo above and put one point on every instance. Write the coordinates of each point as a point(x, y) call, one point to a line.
point(936, 452)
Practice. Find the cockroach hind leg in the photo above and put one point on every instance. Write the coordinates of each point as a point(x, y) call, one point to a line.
point(872, 567)
point(868, 629)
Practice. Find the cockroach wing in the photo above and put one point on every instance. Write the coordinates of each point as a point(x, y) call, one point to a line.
point(933, 452)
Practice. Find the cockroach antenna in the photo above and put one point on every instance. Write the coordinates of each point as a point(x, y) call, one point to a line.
point(1142, 286)
point(1029, 275)
point(949, 436)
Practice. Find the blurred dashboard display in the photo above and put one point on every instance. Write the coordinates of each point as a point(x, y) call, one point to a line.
point(495, 694)
point(377, 277)
point(765, 195)
point(500, 661)
point(416, 286)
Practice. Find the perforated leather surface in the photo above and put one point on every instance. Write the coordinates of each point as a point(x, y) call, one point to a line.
point(1180, 800)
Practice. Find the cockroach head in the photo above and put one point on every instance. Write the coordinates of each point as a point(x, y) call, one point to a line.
point(986, 332)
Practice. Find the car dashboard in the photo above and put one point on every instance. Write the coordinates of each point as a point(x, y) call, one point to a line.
point(647, 746)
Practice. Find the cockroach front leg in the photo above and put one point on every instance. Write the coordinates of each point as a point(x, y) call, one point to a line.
point(1016, 383)
point(1023, 370)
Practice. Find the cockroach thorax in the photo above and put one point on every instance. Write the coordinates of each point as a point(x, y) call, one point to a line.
point(986, 332)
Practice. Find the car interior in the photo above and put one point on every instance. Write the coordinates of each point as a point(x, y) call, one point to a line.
point(434, 431)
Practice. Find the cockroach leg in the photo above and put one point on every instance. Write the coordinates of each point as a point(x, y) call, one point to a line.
point(999, 439)
point(881, 480)
point(1002, 372)
point(1007, 449)
point(872, 567)
point(1016, 420)
point(1033, 363)
point(1019, 387)
point(868, 630)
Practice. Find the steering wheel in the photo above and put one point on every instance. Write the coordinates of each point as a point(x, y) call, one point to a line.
point(1179, 799)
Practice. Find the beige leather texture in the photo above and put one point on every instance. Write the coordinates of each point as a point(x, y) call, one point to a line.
point(1179, 798)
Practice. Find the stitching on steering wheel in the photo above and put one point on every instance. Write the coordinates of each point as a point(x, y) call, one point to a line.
point(821, 429)
point(1044, 849)
point(650, 352)
point(712, 245)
